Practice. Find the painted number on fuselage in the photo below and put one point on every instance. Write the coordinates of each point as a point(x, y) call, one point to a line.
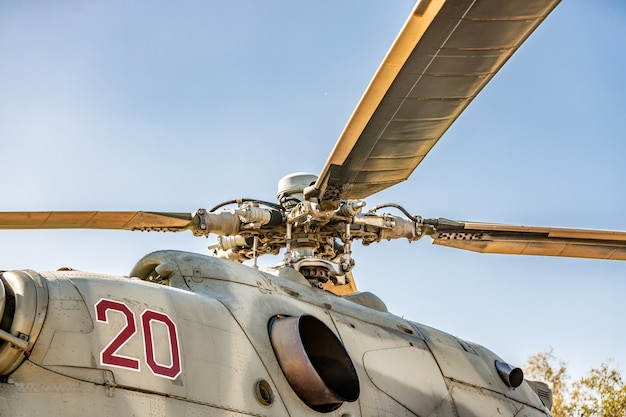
point(109, 355)
point(149, 318)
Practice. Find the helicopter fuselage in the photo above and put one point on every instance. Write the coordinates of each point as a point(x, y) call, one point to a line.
point(203, 339)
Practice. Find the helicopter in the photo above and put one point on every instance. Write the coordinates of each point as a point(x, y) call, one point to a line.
point(165, 321)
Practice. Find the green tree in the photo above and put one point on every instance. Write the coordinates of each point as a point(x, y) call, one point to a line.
point(601, 393)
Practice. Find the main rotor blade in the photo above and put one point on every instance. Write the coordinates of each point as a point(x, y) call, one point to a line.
point(445, 54)
point(120, 220)
point(531, 240)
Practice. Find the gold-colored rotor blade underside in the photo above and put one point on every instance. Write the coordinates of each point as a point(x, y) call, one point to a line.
point(118, 220)
point(445, 54)
point(532, 240)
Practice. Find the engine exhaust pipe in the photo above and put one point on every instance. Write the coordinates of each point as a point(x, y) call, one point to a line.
point(512, 377)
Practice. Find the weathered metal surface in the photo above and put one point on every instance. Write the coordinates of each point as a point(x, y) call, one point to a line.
point(532, 240)
point(206, 346)
point(446, 53)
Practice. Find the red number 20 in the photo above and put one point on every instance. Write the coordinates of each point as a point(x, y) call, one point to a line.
point(109, 355)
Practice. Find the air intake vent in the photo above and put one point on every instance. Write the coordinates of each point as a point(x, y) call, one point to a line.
point(23, 302)
point(314, 361)
point(543, 391)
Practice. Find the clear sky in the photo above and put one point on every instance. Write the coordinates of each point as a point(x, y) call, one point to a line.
point(173, 106)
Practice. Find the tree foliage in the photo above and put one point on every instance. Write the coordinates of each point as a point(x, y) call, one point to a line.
point(546, 368)
point(601, 393)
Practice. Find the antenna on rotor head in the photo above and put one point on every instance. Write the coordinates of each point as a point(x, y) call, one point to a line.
point(291, 188)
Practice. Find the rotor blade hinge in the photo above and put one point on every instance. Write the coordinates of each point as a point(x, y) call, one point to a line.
point(221, 223)
point(351, 208)
point(251, 214)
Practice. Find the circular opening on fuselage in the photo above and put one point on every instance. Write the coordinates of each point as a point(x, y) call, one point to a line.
point(314, 362)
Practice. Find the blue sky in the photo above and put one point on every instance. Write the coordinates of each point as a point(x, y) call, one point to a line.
point(161, 106)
